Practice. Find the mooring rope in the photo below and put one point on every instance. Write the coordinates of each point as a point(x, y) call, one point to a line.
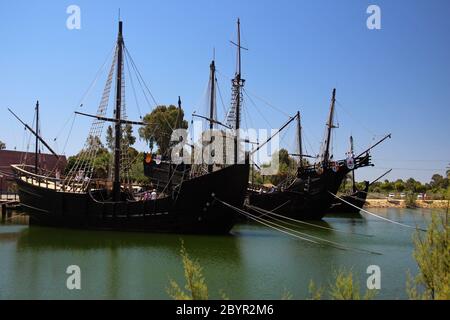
point(291, 232)
point(14, 216)
point(304, 222)
point(375, 215)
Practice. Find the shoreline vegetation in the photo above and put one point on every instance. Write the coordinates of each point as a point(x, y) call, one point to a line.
point(401, 203)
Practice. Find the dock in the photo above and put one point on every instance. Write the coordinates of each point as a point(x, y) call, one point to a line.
point(8, 201)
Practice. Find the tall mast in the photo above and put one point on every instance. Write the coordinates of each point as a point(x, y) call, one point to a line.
point(326, 156)
point(36, 155)
point(238, 83)
point(213, 98)
point(353, 172)
point(300, 147)
point(118, 127)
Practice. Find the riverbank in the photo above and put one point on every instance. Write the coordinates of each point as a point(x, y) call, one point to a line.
point(394, 203)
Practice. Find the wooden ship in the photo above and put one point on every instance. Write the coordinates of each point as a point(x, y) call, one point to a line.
point(309, 195)
point(184, 203)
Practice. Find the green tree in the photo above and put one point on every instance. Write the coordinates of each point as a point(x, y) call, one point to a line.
point(399, 185)
point(195, 287)
point(387, 186)
point(432, 254)
point(110, 138)
point(137, 170)
point(127, 137)
point(344, 287)
point(287, 167)
point(2, 145)
point(100, 162)
point(437, 181)
point(159, 125)
point(410, 185)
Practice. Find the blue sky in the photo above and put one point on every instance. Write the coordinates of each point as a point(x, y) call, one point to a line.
point(394, 80)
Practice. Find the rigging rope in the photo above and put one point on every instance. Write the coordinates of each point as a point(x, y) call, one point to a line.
point(304, 222)
point(293, 232)
point(269, 104)
point(81, 173)
point(375, 215)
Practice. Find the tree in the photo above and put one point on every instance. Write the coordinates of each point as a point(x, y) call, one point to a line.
point(399, 185)
point(436, 181)
point(127, 137)
point(195, 287)
point(159, 125)
point(432, 254)
point(344, 287)
point(2, 145)
point(100, 161)
point(110, 138)
point(287, 166)
point(410, 185)
point(387, 186)
point(137, 169)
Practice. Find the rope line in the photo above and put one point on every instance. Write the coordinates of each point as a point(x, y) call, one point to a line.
point(304, 222)
point(378, 216)
point(292, 232)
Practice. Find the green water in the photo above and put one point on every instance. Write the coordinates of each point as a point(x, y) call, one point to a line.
point(253, 262)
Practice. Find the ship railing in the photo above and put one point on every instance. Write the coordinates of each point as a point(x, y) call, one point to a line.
point(36, 179)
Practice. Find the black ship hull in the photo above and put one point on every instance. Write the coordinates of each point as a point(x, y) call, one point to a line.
point(191, 208)
point(357, 199)
point(307, 198)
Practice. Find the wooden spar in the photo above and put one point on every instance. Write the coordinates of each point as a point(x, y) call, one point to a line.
point(380, 177)
point(238, 83)
point(211, 108)
point(122, 121)
point(300, 147)
point(118, 126)
point(36, 154)
point(238, 98)
point(326, 155)
point(33, 132)
point(303, 155)
point(353, 171)
point(211, 120)
point(271, 137)
point(380, 141)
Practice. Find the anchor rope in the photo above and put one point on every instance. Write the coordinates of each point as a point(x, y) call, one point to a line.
point(376, 215)
point(292, 232)
point(304, 222)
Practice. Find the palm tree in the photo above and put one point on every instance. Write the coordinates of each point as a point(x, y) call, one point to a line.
point(2, 145)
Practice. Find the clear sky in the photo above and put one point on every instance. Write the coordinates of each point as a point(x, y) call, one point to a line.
point(394, 80)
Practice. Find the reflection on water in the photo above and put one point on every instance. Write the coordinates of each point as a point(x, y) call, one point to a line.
point(253, 262)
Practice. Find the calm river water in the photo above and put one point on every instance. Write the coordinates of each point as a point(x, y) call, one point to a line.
point(253, 262)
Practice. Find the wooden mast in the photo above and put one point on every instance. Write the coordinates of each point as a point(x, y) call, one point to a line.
point(300, 147)
point(238, 82)
point(118, 127)
point(326, 156)
point(353, 171)
point(36, 155)
point(211, 108)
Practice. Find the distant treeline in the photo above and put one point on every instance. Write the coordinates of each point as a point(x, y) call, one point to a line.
point(438, 186)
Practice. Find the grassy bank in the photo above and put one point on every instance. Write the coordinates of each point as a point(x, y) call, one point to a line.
point(394, 203)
